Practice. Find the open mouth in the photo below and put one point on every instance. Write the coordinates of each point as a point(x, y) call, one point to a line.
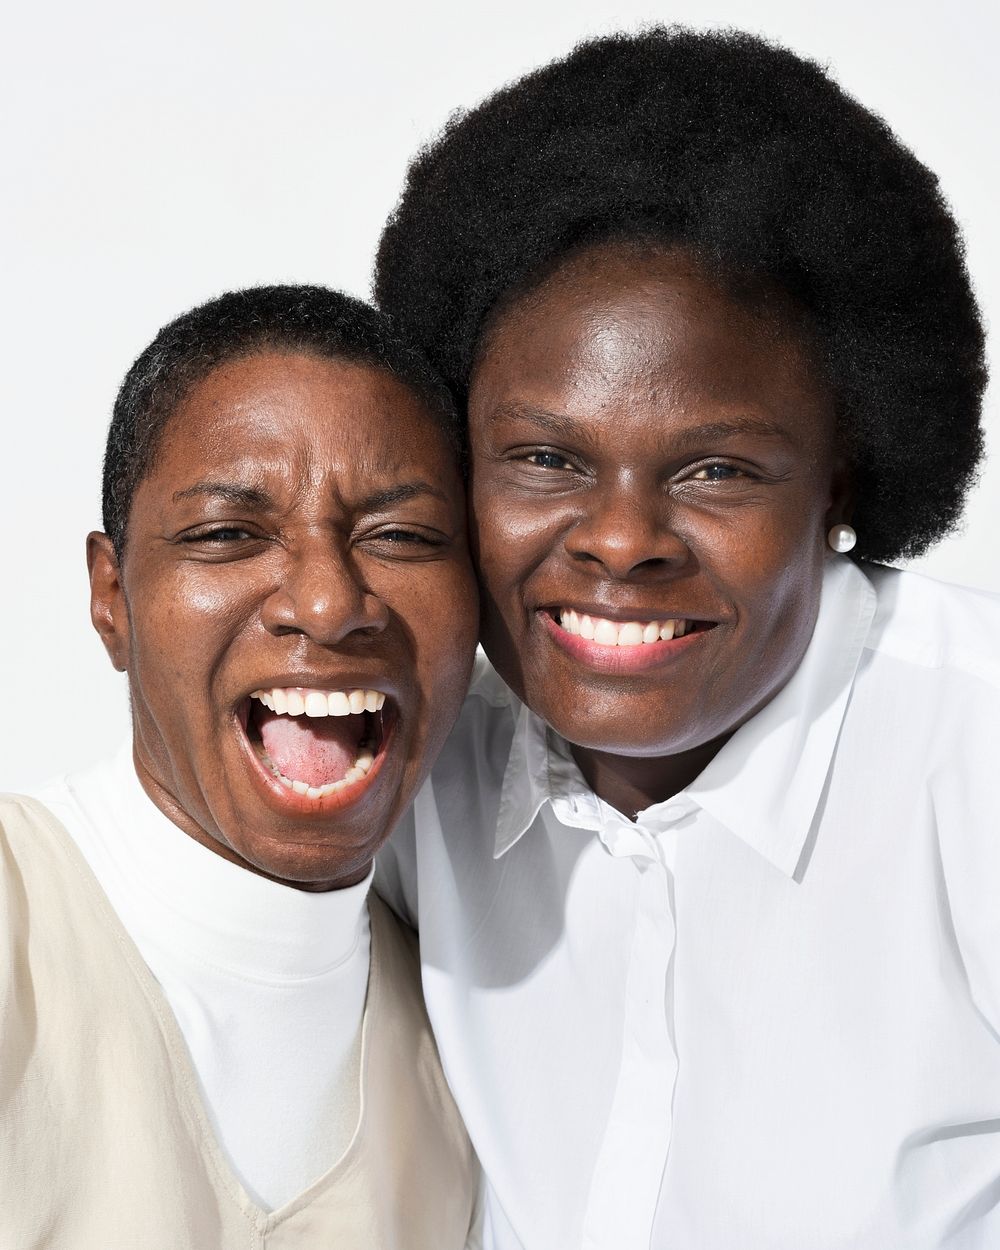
point(317, 743)
point(606, 633)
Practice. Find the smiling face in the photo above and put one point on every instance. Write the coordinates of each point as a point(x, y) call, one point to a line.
point(296, 612)
point(653, 478)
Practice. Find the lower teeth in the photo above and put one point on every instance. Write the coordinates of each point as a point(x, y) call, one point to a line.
point(355, 773)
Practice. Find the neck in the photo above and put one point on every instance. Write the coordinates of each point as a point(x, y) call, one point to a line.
point(632, 783)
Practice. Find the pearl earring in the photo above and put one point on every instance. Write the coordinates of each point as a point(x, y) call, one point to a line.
point(841, 538)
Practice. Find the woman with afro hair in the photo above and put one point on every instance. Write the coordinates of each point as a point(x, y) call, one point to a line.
point(707, 876)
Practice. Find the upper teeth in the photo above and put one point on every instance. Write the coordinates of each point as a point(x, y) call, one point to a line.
point(621, 633)
point(299, 701)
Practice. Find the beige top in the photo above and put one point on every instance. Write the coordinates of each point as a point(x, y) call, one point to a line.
point(104, 1141)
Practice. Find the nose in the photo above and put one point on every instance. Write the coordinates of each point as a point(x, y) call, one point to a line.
point(625, 531)
point(321, 595)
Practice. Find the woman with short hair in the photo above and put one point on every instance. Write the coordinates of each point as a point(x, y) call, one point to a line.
point(211, 1033)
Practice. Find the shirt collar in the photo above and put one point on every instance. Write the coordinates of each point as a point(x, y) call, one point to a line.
point(765, 784)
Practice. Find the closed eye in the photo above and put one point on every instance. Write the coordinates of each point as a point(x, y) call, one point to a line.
point(408, 536)
point(220, 534)
point(400, 542)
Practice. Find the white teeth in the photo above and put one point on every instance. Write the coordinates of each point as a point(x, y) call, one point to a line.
point(630, 635)
point(316, 704)
point(357, 772)
point(625, 634)
point(298, 702)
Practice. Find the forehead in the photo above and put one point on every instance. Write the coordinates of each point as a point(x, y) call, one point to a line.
point(616, 323)
point(310, 415)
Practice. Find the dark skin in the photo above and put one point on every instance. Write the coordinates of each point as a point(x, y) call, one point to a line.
point(645, 447)
point(302, 526)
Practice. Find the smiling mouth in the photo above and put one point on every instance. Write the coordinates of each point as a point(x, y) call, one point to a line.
point(316, 743)
point(606, 633)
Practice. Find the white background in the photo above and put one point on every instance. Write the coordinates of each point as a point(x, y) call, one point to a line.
point(156, 155)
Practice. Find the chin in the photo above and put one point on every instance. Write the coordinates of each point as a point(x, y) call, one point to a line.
point(312, 863)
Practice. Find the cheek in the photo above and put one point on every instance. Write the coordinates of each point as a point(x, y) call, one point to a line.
point(182, 626)
point(757, 551)
point(440, 609)
point(772, 579)
point(441, 622)
point(510, 538)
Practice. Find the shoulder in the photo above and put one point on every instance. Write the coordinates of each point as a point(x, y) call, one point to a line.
point(37, 896)
point(401, 1041)
point(942, 648)
point(29, 829)
point(396, 945)
point(934, 626)
point(40, 866)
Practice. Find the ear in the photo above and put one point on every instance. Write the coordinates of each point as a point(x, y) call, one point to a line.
point(107, 599)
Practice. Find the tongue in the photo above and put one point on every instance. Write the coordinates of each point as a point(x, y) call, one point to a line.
point(311, 749)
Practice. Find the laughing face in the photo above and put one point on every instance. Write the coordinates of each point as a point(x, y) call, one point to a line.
point(295, 610)
point(653, 477)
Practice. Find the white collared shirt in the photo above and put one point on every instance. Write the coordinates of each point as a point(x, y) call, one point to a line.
point(764, 1016)
point(267, 982)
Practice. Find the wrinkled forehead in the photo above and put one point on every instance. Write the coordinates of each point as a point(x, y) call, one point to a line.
point(268, 430)
point(279, 405)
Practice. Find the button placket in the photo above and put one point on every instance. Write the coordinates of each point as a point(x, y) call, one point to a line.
point(637, 1136)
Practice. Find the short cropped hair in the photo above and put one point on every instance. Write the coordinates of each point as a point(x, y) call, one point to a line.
point(757, 162)
point(310, 319)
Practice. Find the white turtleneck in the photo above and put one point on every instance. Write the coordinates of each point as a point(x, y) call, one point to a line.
point(267, 982)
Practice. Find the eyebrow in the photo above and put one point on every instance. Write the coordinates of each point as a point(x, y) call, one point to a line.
point(736, 425)
point(400, 494)
point(236, 493)
point(710, 431)
point(242, 496)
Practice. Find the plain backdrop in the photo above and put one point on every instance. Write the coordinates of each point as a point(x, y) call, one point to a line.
point(155, 155)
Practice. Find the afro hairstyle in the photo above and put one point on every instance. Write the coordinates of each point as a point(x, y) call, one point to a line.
point(309, 319)
point(757, 162)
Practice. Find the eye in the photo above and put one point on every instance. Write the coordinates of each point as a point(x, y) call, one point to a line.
point(219, 535)
point(405, 542)
point(717, 473)
point(548, 460)
point(401, 537)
